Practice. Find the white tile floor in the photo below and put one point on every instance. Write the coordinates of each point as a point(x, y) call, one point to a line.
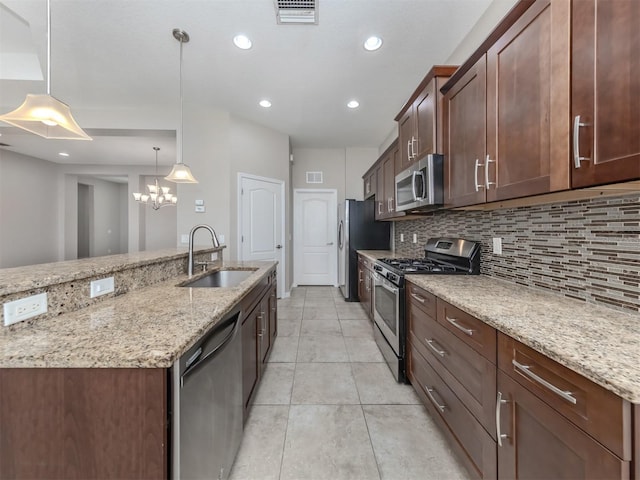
point(329, 408)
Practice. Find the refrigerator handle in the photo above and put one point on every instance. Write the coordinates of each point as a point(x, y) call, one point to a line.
point(340, 235)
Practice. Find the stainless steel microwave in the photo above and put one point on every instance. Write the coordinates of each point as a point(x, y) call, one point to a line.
point(421, 186)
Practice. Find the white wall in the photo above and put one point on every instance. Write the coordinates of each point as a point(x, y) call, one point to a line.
point(159, 225)
point(28, 210)
point(106, 222)
point(342, 168)
point(480, 31)
point(257, 150)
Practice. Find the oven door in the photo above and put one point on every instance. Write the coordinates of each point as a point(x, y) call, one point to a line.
point(386, 310)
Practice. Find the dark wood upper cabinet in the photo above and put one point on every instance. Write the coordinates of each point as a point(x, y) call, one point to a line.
point(420, 120)
point(465, 137)
point(528, 105)
point(605, 95)
point(506, 116)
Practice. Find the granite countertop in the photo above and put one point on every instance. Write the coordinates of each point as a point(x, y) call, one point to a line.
point(599, 343)
point(374, 255)
point(18, 279)
point(146, 328)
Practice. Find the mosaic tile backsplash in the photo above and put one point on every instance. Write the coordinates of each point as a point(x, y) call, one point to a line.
point(586, 249)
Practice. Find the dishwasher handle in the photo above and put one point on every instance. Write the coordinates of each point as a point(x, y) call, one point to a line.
point(197, 360)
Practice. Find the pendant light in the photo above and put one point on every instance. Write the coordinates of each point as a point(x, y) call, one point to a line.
point(181, 173)
point(158, 196)
point(45, 115)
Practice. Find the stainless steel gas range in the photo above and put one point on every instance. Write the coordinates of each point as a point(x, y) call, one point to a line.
point(443, 256)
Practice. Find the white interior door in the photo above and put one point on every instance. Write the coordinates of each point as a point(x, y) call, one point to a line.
point(261, 235)
point(314, 237)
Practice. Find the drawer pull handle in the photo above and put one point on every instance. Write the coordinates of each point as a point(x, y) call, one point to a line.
point(562, 393)
point(418, 297)
point(432, 344)
point(454, 322)
point(500, 435)
point(430, 393)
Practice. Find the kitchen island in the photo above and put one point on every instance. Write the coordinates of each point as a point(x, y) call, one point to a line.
point(87, 393)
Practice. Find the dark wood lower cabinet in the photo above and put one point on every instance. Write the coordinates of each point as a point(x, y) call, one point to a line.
point(539, 443)
point(83, 423)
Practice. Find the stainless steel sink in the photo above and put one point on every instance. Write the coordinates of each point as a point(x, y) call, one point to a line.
point(220, 279)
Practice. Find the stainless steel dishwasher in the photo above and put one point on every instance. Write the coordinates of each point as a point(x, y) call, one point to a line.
point(207, 404)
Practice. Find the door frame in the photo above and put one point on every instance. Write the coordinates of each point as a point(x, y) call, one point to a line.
point(281, 268)
point(296, 229)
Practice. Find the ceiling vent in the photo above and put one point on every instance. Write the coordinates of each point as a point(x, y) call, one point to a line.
point(296, 12)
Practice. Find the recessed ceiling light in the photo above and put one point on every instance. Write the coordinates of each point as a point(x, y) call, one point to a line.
point(353, 104)
point(372, 43)
point(63, 154)
point(265, 103)
point(242, 41)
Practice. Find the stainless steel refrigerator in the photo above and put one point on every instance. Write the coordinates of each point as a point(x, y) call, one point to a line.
point(357, 230)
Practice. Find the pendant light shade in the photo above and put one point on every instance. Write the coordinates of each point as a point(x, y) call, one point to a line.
point(181, 173)
point(45, 115)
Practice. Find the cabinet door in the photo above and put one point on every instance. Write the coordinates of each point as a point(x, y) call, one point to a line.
point(273, 314)
point(406, 135)
point(465, 138)
point(425, 120)
point(250, 363)
point(380, 198)
point(605, 63)
point(389, 183)
point(262, 324)
point(528, 105)
point(538, 442)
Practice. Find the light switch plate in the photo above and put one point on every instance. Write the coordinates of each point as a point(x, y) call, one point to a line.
point(415, 238)
point(200, 209)
point(24, 308)
point(497, 245)
point(199, 203)
point(102, 287)
point(402, 237)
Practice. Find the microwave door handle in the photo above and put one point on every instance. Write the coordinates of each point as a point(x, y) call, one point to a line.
point(416, 174)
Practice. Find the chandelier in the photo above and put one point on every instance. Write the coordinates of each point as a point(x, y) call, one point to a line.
point(158, 195)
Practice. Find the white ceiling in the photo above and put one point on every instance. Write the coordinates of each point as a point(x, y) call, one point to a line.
point(112, 56)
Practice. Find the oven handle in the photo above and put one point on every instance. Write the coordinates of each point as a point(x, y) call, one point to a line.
point(384, 283)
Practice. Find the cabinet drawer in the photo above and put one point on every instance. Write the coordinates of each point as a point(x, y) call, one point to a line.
point(600, 413)
point(477, 447)
point(425, 301)
point(471, 376)
point(475, 333)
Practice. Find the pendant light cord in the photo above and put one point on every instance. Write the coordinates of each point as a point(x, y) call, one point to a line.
point(181, 108)
point(48, 47)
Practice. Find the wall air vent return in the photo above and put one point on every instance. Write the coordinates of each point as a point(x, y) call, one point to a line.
point(314, 177)
point(296, 12)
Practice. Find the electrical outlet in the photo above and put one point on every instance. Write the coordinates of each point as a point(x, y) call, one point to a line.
point(200, 209)
point(497, 245)
point(415, 238)
point(102, 287)
point(184, 238)
point(214, 256)
point(402, 237)
point(24, 308)
point(221, 238)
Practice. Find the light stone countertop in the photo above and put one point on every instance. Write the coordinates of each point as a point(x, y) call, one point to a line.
point(17, 279)
point(146, 328)
point(599, 343)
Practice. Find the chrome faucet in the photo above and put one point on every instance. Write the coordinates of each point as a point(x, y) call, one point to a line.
point(214, 239)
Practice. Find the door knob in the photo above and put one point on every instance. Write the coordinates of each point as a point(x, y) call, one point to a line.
point(278, 247)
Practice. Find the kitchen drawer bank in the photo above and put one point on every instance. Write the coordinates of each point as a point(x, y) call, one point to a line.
point(547, 420)
point(103, 409)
